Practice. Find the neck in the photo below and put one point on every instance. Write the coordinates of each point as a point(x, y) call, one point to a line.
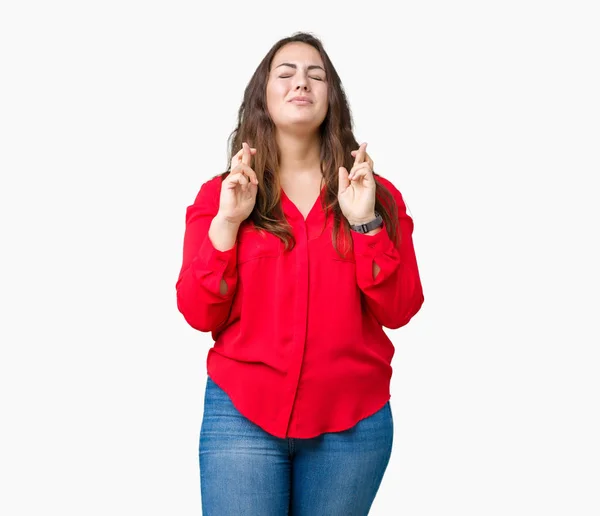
point(299, 155)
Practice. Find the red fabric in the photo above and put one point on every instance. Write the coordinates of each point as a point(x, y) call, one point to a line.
point(298, 340)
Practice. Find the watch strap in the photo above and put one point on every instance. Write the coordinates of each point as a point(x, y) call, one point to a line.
point(369, 226)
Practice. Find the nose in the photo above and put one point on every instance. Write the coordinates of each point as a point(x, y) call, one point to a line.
point(301, 81)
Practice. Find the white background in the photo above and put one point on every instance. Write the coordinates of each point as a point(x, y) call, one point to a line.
point(486, 116)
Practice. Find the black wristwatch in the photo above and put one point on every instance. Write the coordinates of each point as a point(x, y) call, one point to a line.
point(369, 226)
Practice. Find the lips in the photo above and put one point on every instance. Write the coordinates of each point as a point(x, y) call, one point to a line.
point(301, 99)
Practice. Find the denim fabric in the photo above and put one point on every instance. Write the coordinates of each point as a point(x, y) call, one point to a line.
point(245, 471)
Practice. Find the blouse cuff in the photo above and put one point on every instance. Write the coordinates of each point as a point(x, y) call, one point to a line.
point(371, 245)
point(218, 261)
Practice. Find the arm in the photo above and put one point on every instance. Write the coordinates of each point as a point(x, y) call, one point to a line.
point(208, 277)
point(388, 276)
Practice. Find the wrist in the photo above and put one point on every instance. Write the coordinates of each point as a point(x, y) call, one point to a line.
point(223, 221)
point(356, 222)
point(222, 233)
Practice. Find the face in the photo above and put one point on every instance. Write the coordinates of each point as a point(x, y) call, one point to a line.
point(302, 74)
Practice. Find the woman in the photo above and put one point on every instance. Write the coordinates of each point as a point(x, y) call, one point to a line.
point(295, 259)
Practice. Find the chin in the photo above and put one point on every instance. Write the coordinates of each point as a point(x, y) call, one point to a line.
point(297, 126)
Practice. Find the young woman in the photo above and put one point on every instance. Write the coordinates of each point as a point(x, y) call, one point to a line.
point(295, 259)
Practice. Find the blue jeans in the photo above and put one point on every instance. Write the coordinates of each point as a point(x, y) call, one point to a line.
point(245, 471)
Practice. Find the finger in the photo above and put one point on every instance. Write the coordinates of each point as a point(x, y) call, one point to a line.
point(360, 166)
point(246, 154)
point(368, 158)
point(247, 172)
point(237, 158)
point(363, 167)
point(246, 160)
point(359, 175)
point(238, 154)
point(360, 155)
point(235, 179)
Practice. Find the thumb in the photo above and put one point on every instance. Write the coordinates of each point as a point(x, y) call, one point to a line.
point(344, 182)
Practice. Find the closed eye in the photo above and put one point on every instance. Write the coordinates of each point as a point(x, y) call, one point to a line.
point(286, 76)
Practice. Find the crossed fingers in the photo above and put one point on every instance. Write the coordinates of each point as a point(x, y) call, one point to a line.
point(240, 164)
point(363, 164)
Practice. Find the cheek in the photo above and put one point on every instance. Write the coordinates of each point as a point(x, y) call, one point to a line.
point(275, 102)
point(276, 89)
point(271, 97)
point(323, 95)
point(324, 101)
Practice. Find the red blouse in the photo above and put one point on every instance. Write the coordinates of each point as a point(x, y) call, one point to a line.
point(298, 340)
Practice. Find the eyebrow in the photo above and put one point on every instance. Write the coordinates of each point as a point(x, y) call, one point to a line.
point(292, 65)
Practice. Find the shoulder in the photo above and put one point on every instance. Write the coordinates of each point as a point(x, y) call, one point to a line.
point(391, 187)
point(210, 190)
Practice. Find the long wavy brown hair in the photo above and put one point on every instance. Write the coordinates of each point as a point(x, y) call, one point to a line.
point(256, 127)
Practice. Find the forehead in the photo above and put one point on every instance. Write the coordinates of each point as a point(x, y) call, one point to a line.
point(299, 53)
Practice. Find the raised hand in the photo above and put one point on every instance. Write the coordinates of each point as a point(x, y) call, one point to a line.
point(356, 190)
point(238, 190)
